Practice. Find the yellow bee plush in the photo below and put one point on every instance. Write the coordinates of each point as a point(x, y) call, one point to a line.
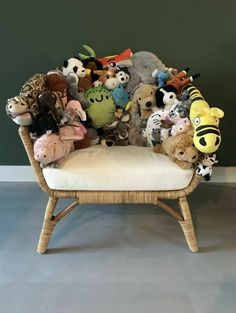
point(205, 121)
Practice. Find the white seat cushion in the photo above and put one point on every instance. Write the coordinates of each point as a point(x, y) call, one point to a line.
point(117, 168)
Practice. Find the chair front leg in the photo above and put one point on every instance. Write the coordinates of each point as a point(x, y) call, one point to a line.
point(187, 225)
point(48, 225)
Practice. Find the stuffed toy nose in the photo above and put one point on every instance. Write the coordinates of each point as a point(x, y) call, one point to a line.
point(148, 104)
point(41, 155)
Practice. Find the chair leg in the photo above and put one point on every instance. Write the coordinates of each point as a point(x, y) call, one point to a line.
point(48, 225)
point(187, 225)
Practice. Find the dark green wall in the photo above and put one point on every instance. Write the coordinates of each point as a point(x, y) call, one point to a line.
point(39, 35)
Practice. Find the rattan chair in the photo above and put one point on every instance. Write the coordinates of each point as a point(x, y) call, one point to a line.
point(105, 197)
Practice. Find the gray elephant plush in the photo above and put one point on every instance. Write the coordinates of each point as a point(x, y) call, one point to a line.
point(144, 63)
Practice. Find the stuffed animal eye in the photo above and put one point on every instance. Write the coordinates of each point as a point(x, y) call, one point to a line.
point(91, 100)
point(107, 97)
point(107, 76)
point(217, 120)
point(140, 99)
point(181, 152)
point(112, 64)
point(197, 121)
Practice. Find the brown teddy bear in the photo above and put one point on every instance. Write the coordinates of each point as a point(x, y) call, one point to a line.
point(144, 100)
point(180, 150)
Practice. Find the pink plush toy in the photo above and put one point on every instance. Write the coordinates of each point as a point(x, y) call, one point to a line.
point(77, 113)
point(183, 125)
point(75, 109)
point(54, 148)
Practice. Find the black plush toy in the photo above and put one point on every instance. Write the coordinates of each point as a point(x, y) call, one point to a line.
point(47, 118)
point(43, 122)
point(47, 104)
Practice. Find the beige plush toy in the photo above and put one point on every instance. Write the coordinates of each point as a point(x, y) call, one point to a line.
point(180, 150)
point(144, 100)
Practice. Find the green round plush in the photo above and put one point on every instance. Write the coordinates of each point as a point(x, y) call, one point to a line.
point(101, 107)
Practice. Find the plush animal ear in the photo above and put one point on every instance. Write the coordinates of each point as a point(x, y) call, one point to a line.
point(98, 72)
point(65, 64)
point(217, 112)
point(154, 88)
point(125, 118)
point(75, 137)
point(82, 113)
point(134, 105)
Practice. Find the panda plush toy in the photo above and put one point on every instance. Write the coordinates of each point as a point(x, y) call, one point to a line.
point(73, 66)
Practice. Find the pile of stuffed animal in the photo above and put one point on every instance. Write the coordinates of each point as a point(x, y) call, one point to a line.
point(129, 98)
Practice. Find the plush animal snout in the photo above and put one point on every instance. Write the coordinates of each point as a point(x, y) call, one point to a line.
point(112, 83)
point(81, 72)
point(147, 103)
point(41, 155)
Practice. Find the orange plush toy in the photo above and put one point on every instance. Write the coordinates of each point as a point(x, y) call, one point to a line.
point(180, 80)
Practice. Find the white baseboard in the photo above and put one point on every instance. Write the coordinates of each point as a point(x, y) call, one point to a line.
point(15, 173)
point(25, 174)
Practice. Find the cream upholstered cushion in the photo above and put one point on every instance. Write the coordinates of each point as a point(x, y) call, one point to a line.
point(117, 168)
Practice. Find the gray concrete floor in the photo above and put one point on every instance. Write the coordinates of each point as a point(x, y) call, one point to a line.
point(117, 258)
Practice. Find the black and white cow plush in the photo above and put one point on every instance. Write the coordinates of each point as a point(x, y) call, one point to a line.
point(204, 168)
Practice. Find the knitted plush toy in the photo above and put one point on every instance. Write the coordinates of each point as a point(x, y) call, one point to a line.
point(117, 132)
point(123, 77)
point(144, 100)
point(204, 167)
point(183, 125)
point(75, 66)
point(165, 97)
point(120, 96)
point(161, 77)
point(205, 121)
point(107, 78)
point(58, 85)
point(101, 107)
point(180, 80)
point(155, 132)
point(54, 148)
point(180, 150)
point(77, 113)
point(21, 110)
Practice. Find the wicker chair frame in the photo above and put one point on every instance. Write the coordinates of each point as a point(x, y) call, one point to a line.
point(94, 197)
